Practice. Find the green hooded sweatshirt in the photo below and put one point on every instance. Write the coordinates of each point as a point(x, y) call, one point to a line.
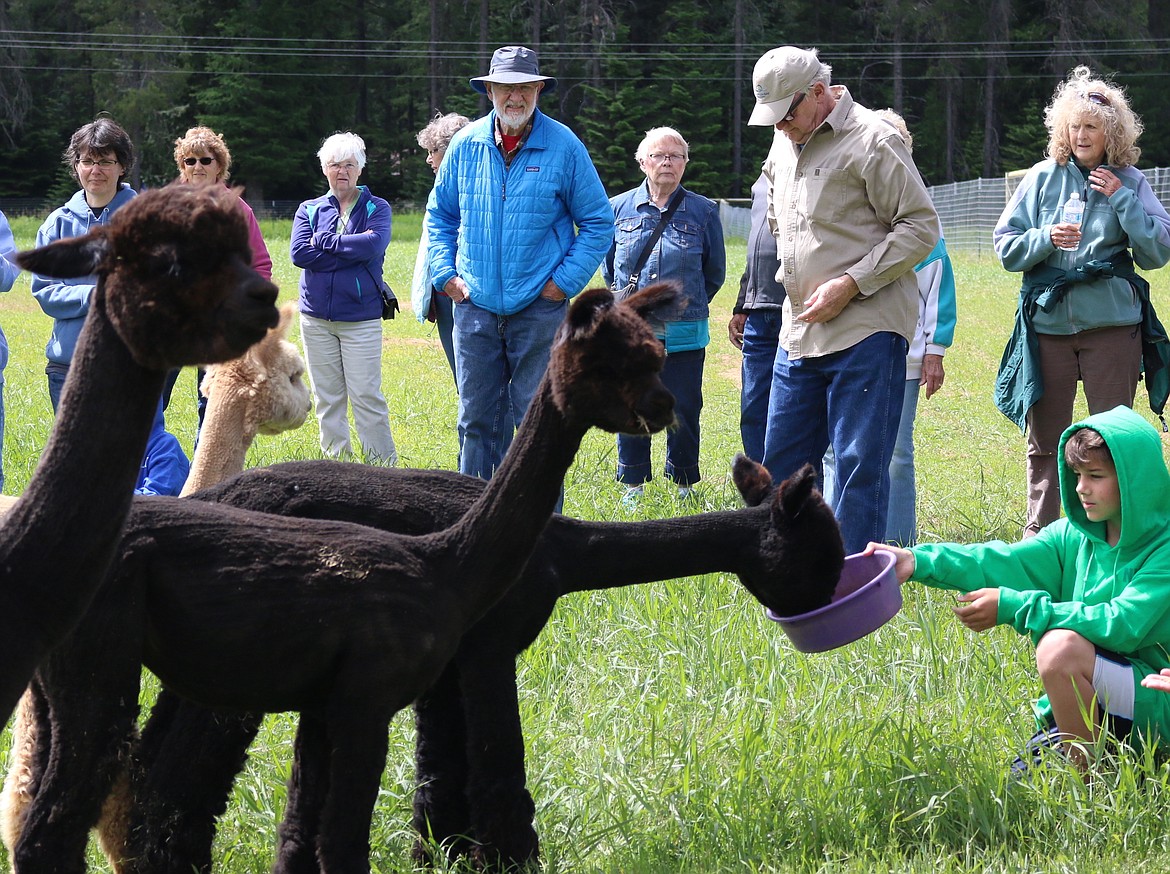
point(1117, 597)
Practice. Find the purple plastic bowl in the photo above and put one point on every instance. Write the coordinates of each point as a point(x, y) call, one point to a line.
point(867, 597)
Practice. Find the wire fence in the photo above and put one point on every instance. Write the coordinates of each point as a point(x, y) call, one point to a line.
point(968, 210)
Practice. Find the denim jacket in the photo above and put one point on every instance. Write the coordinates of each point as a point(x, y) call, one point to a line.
point(690, 251)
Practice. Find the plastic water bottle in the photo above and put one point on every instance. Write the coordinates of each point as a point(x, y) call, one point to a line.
point(1072, 213)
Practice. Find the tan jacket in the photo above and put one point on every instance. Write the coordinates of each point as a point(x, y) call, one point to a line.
point(851, 202)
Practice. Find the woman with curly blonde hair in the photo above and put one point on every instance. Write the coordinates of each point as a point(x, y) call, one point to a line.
point(1080, 304)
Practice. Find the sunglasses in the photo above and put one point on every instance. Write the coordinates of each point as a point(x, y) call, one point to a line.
point(1098, 98)
point(795, 103)
point(191, 162)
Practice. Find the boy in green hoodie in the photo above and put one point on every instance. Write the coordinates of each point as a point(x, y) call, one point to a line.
point(1092, 589)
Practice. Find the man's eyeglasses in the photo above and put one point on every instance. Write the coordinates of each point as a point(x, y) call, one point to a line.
point(795, 103)
point(1098, 98)
point(205, 161)
point(663, 157)
point(90, 163)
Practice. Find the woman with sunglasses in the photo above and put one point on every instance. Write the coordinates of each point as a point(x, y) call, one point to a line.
point(203, 158)
point(1074, 325)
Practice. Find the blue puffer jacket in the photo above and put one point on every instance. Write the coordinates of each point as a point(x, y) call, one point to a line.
point(341, 270)
point(505, 255)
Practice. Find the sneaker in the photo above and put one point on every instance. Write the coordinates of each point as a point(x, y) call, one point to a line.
point(686, 493)
point(1042, 743)
point(632, 497)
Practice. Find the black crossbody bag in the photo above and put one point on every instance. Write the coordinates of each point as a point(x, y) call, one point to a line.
point(632, 282)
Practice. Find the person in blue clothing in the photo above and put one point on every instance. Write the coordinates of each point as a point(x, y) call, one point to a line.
point(99, 155)
point(754, 327)
point(8, 274)
point(164, 466)
point(340, 240)
point(1087, 328)
point(689, 251)
point(518, 223)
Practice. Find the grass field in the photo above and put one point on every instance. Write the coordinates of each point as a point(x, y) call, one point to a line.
point(671, 728)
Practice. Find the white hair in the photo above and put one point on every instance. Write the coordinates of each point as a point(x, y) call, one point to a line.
point(341, 147)
point(661, 133)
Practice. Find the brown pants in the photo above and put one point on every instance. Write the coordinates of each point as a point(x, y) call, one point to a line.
point(1108, 361)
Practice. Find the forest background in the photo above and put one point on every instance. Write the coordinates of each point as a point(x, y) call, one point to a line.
point(276, 77)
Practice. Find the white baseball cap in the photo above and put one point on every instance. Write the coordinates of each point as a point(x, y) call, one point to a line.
point(778, 77)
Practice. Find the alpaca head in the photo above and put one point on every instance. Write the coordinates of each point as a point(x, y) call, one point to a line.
point(174, 268)
point(605, 362)
point(268, 381)
point(801, 554)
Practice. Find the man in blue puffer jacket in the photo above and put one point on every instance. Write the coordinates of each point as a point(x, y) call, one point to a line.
point(503, 247)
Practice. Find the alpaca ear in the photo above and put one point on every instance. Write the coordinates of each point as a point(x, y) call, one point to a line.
point(68, 259)
point(752, 479)
point(662, 300)
point(286, 317)
point(584, 313)
point(795, 491)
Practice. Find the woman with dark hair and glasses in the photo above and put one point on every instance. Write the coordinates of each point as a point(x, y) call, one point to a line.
point(99, 156)
point(203, 158)
point(1077, 324)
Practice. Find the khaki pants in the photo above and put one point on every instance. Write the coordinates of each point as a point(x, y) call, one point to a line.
point(1108, 361)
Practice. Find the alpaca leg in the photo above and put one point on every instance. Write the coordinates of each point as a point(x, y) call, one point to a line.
point(501, 806)
point(170, 827)
point(357, 750)
point(296, 847)
point(28, 759)
point(441, 816)
point(92, 724)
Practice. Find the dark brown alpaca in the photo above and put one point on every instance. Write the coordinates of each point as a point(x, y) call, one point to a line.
point(340, 622)
point(785, 548)
point(174, 287)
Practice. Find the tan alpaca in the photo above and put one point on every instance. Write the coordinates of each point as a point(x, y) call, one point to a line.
point(261, 392)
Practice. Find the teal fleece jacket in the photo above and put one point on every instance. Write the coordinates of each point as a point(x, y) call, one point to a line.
point(1117, 597)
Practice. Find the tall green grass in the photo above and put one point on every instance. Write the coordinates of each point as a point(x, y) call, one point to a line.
point(671, 728)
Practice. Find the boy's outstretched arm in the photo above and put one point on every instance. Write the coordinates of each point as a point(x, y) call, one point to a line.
point(1159, 681)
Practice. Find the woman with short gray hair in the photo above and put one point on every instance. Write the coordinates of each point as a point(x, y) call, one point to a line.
point(340, 240)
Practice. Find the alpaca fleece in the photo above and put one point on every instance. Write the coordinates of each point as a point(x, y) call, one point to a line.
point(342, 623)
point(174, 287)
point(472, 795)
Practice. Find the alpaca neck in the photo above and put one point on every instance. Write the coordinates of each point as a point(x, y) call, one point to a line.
point(223, 440)
point(57, 542)
point(495, 537)
point(616, 554)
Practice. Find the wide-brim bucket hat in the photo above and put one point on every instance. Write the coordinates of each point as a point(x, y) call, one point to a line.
point(514, 65)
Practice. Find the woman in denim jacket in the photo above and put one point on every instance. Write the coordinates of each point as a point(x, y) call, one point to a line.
point(690, 252)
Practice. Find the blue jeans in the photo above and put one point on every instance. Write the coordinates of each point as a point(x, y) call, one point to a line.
point(761, 339)
point(499, 361)
point(683, 376)
point(56, 374)
point(852, 399)
point(902, 521)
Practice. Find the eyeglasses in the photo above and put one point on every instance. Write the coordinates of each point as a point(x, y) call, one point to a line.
point(90, 163)
point(663, 157)
point(795, 103)
point(205, 161)
point(1098, 98)
point(348, 165)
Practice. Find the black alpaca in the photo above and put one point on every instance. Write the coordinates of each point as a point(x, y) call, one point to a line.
point(174, 287)
point(472, 797)
point(343, 623)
